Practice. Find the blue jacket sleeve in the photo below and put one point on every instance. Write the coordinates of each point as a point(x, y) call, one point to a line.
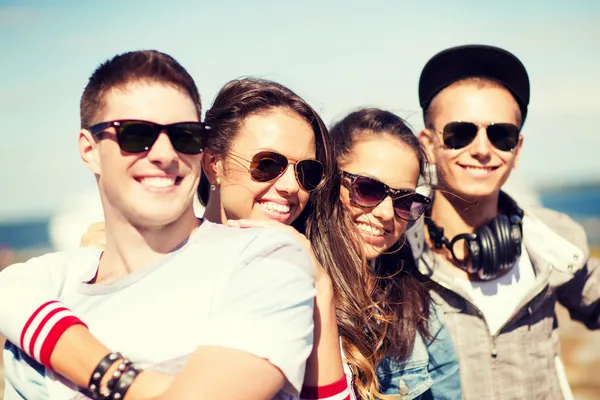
point(443, 361)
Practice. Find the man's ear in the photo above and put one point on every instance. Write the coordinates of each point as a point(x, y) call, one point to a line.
point(88, 150)
point(517, 151)
point(428, 140)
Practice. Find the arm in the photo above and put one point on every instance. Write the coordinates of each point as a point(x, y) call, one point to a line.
point(46, 330)
point(324, 377)
point(261, 331)
point(36, 319)
point(443, 362)
point(581, 295)
point(78, 352)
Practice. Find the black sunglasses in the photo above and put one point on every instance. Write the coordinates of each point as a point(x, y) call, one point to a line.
point(368, 192)
point(269, 165)
point(503, 136)
point(137, 136)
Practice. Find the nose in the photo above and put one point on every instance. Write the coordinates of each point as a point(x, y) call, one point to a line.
point(287, 182)
point(481, 146)
point(384, 211)
point(162, 152)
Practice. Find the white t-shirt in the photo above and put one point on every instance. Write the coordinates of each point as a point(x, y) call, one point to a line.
point(246, 289)
point(498, 298)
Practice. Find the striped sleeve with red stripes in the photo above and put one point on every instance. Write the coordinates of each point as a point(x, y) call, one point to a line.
point(335, 391)
point(43, 329)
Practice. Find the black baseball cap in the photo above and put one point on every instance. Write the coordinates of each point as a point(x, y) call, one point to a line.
point(456, 63)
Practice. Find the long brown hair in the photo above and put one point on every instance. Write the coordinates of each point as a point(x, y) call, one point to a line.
point(400, 301)
point(324, 220)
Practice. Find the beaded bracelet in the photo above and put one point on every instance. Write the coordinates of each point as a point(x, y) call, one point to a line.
point(99, 372)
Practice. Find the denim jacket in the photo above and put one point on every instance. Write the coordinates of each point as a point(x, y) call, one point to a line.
point(432, 370)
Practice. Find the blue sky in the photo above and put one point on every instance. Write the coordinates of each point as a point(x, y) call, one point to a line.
point(339, 55)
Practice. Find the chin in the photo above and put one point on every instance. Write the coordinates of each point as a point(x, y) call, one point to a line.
point(371, 252)
point(158, 216)
point(477, 192)
point(476, 188)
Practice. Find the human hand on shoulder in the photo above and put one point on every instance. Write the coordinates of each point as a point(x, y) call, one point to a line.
point(95, 236)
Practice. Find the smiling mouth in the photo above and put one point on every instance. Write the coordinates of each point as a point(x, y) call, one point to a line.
point(370, 229)
point(478, 170)
point(272, 207)
point(159, 182)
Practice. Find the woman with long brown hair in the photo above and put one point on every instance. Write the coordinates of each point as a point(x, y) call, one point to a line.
point(382, 162)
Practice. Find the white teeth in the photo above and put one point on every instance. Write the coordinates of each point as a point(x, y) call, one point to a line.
point(158, 182)
point(479, 170)
point(370, 229)
point(280, 208)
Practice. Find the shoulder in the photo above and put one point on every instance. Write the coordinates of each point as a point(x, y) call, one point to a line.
point(77, 261)
point(246, 244)
point(560, 223)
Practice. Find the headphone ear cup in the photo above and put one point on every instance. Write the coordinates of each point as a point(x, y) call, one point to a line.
point(501, 229)
point(474, 252)
point(512, 244)
point(514, 228)
point(516, 238)
point(489, 251)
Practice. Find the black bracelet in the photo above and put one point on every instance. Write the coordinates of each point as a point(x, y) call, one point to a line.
point(99, 372)
point(124, 382)
point(116, 376)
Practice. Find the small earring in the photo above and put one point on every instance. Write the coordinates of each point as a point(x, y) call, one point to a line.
point(212, 187)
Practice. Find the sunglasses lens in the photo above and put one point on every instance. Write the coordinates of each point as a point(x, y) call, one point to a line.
point(504, 137)
point(403, 206)
point(309, 173)
point(267, 166)
point(409, 208)
point(457, 135)
point(136, 137)
point(367, 192)
point(186, 138)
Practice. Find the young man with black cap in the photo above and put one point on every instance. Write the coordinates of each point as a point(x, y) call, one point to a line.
point(498, 270)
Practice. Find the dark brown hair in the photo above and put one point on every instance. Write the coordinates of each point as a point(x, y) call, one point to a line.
point(324, 220)
point(134, 66)
point(397, 290)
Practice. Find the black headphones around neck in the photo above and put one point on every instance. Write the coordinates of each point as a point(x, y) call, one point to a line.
point(493, 248)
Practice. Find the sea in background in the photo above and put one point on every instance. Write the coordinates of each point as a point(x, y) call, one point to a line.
point(581, 203)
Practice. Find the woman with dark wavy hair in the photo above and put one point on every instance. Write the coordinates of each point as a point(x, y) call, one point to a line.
point(268, 161)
